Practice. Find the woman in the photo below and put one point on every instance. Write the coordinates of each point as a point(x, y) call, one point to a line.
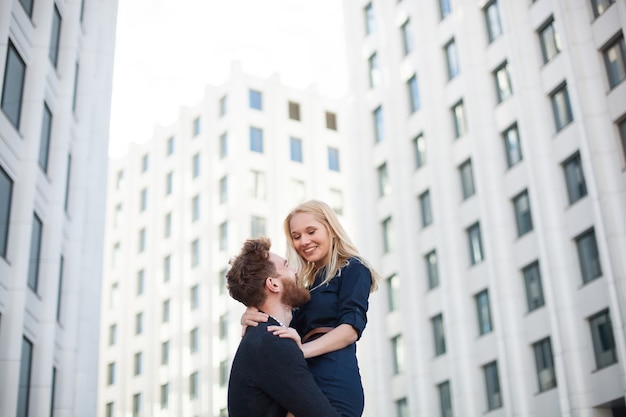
point(329, 325)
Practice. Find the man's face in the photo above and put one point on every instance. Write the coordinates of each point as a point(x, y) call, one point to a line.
point(292, 294)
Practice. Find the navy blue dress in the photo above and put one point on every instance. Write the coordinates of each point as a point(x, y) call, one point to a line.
point(343, 300)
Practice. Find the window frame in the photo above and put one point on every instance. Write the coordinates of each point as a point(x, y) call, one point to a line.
point(561, 105)
point(12, 98)
point(523, 213)
point(615, 69)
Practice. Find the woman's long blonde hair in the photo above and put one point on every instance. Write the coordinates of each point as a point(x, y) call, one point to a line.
point(341, 249)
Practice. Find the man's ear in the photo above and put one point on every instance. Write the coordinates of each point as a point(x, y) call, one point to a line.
point(272, 284)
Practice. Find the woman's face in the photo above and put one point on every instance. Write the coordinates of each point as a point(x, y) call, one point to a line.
point(310, 238)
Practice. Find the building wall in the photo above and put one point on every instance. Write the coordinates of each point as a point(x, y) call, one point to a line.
point(59, 311)
point(216, 316)
point(598, 110)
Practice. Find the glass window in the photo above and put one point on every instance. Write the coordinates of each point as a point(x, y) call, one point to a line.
point(621, 126)
point(419, 144)
point(600, 6)
point(194, 340)
point(414, 95)
point(143, 200)
point(223, 145)
point(379, 127)
point(55, 37)
point(503, 82)
point(407, 37)
point(23, 393)
point(333, 159)
point(445, 8)
point(574, 178)
point(259, 185)
point(195, 166)
point(369, 19)
point(294, 110)
point(549, 39)
point(112, 334)
point(28, 6)
point(523, 217)
point(194, 381)
point(142, 240)
point(256, 139)
point(167, 229)
point(384, 186)
point(223, 190)
point(452, 59)
point(445, 399)
point(432, 269)
point(196, 126)
point(60, 288)
point(6, 193)
point(195, 253)
point(484, 312)
point(169, 145)
point(110, 410)
point(492, 385)
point(492, 18)
point(167, 268)
point(111, 373)
point(374, 70)
point(603, 340)
point(75, 95)
point(139, 323)
point(194, 297)
point(223, 105)
point(588, 256)
point(137, 405)
point(165, 395)
point(425, 206)
point(397, 349)
point(467, 179)
point(44, 141)
point(545, 364)
point(138, 363)
point(165, 352)
point(475, 244)
point(388, 235)
point(295, 149)
point(439, 334)
point(13, 85)
point(145, 163)
point(195, 208)
point(512, 146)
point(256, 100)
point(169, 183)
point(561, 107)
point(68, 178)
point(223, 376)
point(402, 408)
point(257, 226)
point(223, 236)
point(223, 327)
point(458, 119)
point(140, 282)
point(331, 121)
point(615, 60)
point(35, 253)
point(393, 292)
point(534, 288)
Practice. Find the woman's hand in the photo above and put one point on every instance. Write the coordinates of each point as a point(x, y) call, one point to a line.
point(252, 317)
point(286, 332)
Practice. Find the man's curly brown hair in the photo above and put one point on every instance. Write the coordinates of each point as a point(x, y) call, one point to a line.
point(248, 271)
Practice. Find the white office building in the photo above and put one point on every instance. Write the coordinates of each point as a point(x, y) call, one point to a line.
point(56, 64)
point(493, 151)
point(180, 206)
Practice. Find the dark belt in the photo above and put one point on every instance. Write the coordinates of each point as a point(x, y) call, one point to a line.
point(316, 333)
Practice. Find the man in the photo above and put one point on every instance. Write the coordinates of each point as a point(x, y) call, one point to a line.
point(269, 375)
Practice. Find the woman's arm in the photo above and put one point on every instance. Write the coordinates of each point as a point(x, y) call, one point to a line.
point(252, 317)
point(338, 338)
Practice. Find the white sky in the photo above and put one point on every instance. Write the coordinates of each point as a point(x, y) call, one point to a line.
point(168, 50)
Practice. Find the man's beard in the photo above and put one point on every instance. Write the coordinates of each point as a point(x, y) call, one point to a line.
point(294, 295)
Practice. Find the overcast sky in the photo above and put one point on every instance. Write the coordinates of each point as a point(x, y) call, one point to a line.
point(168, 50)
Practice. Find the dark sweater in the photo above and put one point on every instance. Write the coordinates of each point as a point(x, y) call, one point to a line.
point(269, 377)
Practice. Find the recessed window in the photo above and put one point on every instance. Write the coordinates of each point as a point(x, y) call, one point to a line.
point(615, 60)
point(492, 19)
point(257, 226)
point(110, 410)
point(503, 82)
point(475, 244)
point(138, 323)
point(223, 236)
point(113, 335)
point(223, 105)
point(393, 292)
point(256, 139)
point(28, 6)
point(223, 145)
point(397, 349)
point(256, 99)
point(384, 185)
point(333, 159)
point(467, 179)
point(35, 253)
point(24, 387)
point(145, 163)
point(561, 107)
point(295, 149)
point(432, 269)
point(600, 6)
point(374, 70)
point(621, 126)
point(258, 185)
point(55, 37)
point(439, 335)
point(407, 37)
point(588, 256)
point(402, 408)
point(534, 288)
point(195, 253)
point(549, 39)
point(574, 178)
point(111, 373)
point(194, 297)
point(141, 240)
point(331, 121)
point(603, 339)
point(484, 312)
point(445, 399)
point(419, 144)
point(165, 396)
point(223, 190)
point(512, 147)
point(194, 340)
point(370, 23)
point(137, 404)
point(414, 95)
point(196, 126)
point(6, 194)
point(388, 234)
point(379, 128)
point(167, 268)
point(294, 110)
point(141, 281)
point(523, 217)
point(544, 363)
point(169, 145)
point(138, 363)
point(426, 209)
point(458, 119)
point(492, 386)
point(452, 59)
point(195, 166)
point(169, 183)
point(165, 352)
point(195, 208)
point(194, 382)
point(445, 8)
point(13, 85)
